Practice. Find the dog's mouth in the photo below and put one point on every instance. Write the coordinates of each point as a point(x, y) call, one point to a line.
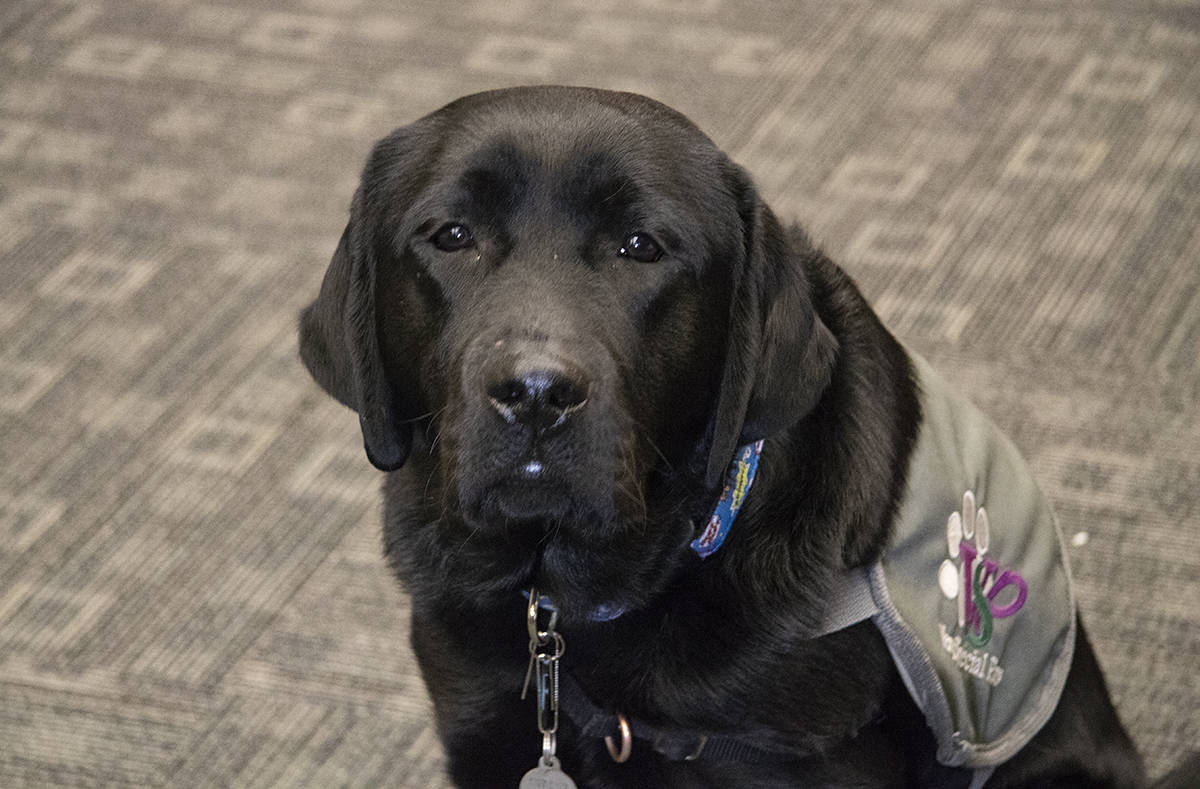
point(575, 530)
point(540, 536)
point(527, 501)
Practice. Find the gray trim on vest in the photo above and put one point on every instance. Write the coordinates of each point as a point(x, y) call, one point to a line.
point(981, 777)
point(984, 687)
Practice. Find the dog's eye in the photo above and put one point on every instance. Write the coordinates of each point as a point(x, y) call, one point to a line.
point(453, 237)
point(641, 247)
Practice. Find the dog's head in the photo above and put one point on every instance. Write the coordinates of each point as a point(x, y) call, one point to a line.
point(566, 308)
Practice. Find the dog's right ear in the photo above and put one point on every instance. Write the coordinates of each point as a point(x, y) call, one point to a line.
point(340, 347)
point(322, 344)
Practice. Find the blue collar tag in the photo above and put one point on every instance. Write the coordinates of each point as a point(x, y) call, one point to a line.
point(737, 485)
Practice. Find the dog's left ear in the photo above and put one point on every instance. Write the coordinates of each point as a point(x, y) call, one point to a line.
point(779, 355)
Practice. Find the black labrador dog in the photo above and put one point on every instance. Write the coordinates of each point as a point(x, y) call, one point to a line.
point(575, 335)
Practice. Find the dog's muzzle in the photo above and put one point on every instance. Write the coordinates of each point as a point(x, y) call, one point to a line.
point(532, 443)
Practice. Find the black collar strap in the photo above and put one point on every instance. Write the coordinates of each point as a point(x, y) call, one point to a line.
point(677, 746)
point(850, 603)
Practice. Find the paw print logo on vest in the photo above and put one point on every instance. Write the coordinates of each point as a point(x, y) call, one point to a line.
point(977, 581)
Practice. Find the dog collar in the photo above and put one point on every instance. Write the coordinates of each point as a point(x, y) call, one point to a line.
point(737, 484)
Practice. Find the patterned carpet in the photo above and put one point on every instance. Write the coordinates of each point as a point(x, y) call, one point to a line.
point(191, 588)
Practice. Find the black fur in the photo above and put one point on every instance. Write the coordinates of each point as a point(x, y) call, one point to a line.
point(741, 331)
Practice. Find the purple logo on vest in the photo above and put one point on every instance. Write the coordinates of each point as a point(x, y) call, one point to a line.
point(985, 590)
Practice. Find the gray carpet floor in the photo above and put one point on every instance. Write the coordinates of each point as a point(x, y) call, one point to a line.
point(191, 588)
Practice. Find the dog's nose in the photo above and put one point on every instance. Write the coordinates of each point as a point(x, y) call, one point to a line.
point(541, 396)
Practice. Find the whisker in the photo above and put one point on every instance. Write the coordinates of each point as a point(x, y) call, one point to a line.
point(644, 435)
point(427, 415)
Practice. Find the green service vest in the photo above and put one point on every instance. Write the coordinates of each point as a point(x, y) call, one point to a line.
point(973, 593)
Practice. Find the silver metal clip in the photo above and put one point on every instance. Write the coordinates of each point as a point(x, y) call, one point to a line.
point(546, 648)
point(538, 639)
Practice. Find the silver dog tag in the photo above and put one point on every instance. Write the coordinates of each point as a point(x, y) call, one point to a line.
point(547, 775)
